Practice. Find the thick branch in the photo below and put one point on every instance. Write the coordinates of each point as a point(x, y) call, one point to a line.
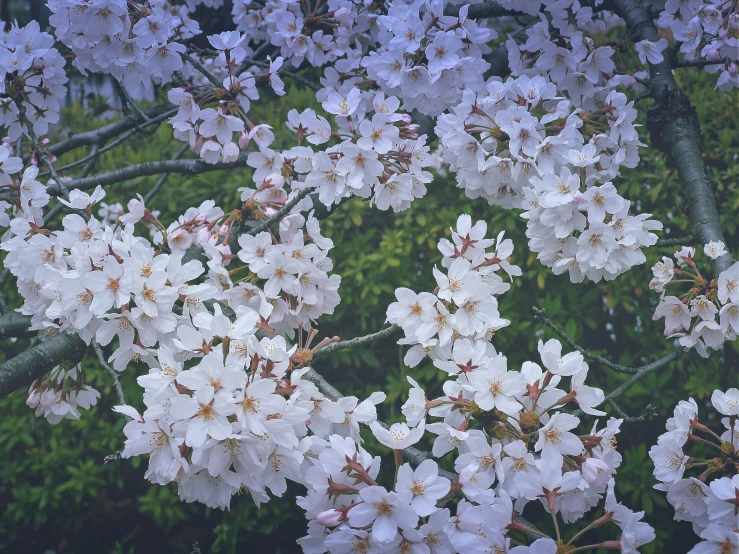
point(673, 125)
point(188, 167)
point(14, 324)
point(35, 362)
point(677, 241)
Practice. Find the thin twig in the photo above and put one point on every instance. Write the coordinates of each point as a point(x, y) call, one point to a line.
point(279, 214)
point(650, 412)
point(587, 353)
point(299, 78)
point(113, 372)
point(43, 154)
point(353, 343)
point(160, 183)
point(250, 61)
point(207, 74)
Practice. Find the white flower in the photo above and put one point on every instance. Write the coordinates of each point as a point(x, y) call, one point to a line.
point(342, 105)
point(495, 387)
point(422, 487)
point(727, 402)
point(728, 285)
point(386, 511)
point(204, 414)
point(669, 461)
point(555, 440)
point(399, 436)
point(715, 249)
point(80, 200)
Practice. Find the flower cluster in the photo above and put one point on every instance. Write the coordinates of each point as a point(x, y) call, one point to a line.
point(711, 507)
point(135, 43)
point(210, 130)
point(522, 447)
point(706, 315)
point(464, 304)
point(411, 51)
point(380, 157)
point(707, 31)
point(32, 79)
point(234, 420)
point(59, 395)
point(522, 146)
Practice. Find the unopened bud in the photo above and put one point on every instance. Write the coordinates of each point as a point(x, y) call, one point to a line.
point(330, 518)
point(712, 55)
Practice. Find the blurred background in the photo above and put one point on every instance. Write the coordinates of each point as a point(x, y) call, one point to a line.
point(58, 496)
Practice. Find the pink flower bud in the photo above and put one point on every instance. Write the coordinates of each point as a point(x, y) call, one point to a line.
point(243, 140)
point(352, 127)
point(712, 54)
point(578, 197)
point(405, 118)
point(732, 69)
point(329, 518)
point(412, 128)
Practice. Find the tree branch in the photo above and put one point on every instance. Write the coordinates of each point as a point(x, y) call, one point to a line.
point(36, 361)
point(279, 214)
point(163, 179)
point(481, 11)
point(353, 343)
point(539, 315)
point(678, 241)
point(187, 167)
point(14, 324)
point(673, 125)
point(107, 132)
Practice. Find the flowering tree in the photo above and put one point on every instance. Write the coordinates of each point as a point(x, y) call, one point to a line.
point(531, 106)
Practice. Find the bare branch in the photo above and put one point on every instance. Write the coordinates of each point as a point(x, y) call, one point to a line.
point(702, 63)
point(107, 132)
point(207, 74)
point(36, 361)
point(481, 11)
point(13, 324)
point(353, 343)
point(650, 412)
point(187, 167)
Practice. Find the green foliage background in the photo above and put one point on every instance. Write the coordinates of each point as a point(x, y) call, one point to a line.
point(57, 494)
